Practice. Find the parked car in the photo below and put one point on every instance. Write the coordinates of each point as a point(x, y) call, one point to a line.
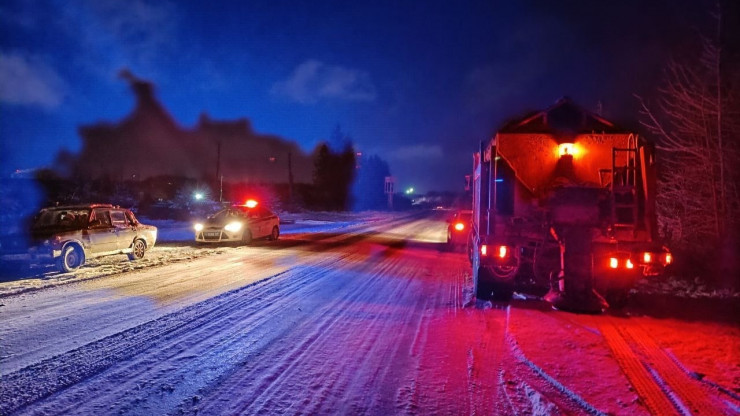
point(458, 230)
point(69, 235)
point(239, 224)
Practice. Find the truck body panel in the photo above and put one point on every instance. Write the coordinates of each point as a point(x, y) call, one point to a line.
point(564, 200)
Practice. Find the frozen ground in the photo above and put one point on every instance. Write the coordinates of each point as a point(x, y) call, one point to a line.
point(367, 315)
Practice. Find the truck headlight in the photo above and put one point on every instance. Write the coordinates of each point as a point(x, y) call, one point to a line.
point(233, 227)
point(198, 227)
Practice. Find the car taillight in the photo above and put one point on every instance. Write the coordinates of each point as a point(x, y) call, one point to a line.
point(667, 259)
point(483, 250)
point(647, 257)
point(628, 264)
point(613, 262)
point(502, 251)
point(459, 226)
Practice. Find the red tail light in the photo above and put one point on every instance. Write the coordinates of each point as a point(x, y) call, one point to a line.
point(613, 262)
point(484, 250)
point(647, 257)
point(667, 258)
point(459, 226)
point(628, 264)
point(502, 251)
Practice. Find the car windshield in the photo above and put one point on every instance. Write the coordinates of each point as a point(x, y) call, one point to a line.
point(62, 218)
point(223, 215)
point(246, 210)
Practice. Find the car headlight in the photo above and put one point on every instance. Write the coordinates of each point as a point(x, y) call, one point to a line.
point(233, 227)
point(198, 227)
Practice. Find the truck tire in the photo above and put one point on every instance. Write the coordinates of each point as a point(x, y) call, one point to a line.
point(617, 298)
point(502, 291)
point(482, 284)
point(483, 290)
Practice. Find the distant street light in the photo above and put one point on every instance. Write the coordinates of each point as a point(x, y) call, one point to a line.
point(409, 191)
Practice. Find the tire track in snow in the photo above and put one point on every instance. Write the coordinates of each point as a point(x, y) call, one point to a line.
point(352, 381)
point(40, 380)
point(59, 372)
point(651, 394)
point(147, 369)
point(690, 393)
point(341, 331)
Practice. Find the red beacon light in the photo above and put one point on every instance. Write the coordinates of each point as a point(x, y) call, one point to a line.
point(251, 203)
point(459, 226)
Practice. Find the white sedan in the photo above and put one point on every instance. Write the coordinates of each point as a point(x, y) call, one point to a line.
point(239, 223)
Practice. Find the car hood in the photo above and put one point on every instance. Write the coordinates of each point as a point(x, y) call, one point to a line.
point(220, 223)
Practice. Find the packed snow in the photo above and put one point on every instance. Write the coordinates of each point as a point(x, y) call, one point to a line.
point(350, 314)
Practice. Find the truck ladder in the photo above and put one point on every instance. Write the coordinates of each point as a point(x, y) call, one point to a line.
point(624, 188)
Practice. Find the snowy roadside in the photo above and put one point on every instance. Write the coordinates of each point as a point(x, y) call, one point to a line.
point(695, 289)
point(175, 244)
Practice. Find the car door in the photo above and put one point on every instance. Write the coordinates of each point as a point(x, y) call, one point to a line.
point(124, 229)
point(257, 218)
point(101, 232)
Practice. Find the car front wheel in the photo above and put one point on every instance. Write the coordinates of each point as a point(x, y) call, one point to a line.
point(275, 233)
point(247, 237)
point(72, 258)
point(138, 250)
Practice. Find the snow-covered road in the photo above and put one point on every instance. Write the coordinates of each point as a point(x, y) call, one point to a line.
point(372, 318)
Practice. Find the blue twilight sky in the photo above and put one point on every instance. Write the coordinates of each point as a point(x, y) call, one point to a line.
point(418, 83)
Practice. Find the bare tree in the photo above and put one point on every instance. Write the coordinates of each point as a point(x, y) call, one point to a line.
point(696, 123)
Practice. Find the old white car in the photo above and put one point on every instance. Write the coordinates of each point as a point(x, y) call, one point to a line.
point(239, 224)
point(69, 235)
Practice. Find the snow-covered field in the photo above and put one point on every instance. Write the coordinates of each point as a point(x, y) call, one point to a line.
point(355, 315)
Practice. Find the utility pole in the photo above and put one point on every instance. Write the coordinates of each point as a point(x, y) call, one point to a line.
point(218, 161)
point(290, 178)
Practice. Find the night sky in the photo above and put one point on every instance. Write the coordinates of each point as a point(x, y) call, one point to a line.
point(418, 83)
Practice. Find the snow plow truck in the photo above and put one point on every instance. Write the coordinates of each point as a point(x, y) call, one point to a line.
point(564, 203)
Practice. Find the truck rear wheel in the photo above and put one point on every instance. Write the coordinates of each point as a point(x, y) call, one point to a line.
point(617, 298)
point(487, 287)
point(502, 291)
